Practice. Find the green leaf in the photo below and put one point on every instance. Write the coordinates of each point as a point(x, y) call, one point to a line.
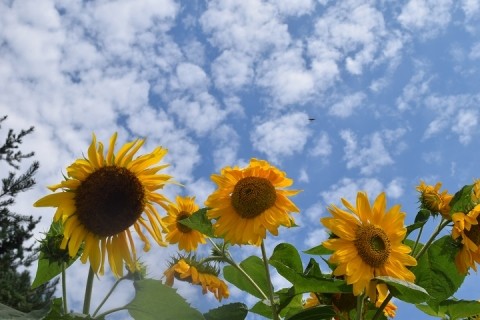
point(200, 222)
point(154, 300)
point(254, 267)
point(316, 313)
point(436, 270)
point(9, 313)
point(462, 200)
point(232, 311)
point(420, 220)
point(47, 271)
point(288, 256)
point(262, 309)
point(404, 290)
point(310, 282)
point(313, 269)
point(454, 309)
point(318, 251)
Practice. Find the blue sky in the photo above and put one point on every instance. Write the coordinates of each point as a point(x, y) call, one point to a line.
point(393, 87)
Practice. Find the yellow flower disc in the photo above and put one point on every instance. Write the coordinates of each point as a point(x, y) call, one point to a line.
point(373, 245)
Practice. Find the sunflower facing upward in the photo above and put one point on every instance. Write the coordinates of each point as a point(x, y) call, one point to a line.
point(368, 243)
point(250, 201)
point(187, 238)
point(103, 196)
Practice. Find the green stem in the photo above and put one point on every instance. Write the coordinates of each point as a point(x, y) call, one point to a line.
point(359, 314)
point(443, 223)
point(228, 259)
point(382, 306)
point(64, 289)
point(88, 292)
point(418, 239)
point(108, 295)
point(102, 315)
point(270, 287)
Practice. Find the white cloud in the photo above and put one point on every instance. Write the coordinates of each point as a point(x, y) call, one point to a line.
point(347, 105)
point(370, 156)
point(232, 70)
point(348, 189)
point(283, 136)
point(315, 237)
point(322, 146)
point(294, 8)
point(201, 113)
point(459, 113)
point(303, 176)
point(190, 76)
point(353, 34)
point(314, 212)
point(426, 17)
point(415, 90)
point(226, 144)
point(466, 124)
point(395, 188)
point(285, 77)
point(475, 51)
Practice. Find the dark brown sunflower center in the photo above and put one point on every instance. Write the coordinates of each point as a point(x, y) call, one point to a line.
point(373, 245)
point(474, 234)
point(252, 196)
point(183, 228)
point(110, 200)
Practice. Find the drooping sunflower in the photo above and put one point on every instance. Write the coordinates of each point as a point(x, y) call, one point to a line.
point(187, 238)
point(250, 201)
point(432, 199)
point(102, 196)
point(192, 271)
point(466, 229)
point(369, 243)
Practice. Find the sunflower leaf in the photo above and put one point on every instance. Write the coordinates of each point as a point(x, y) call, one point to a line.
point(454, 309)
point(462, 200)
point(287, 255)
point(154, 299)
point(255, 269)
point(319, 250)
point(200, 222)
point(436, 270)
point(404, 290)
point(316, 313)
point(232, 311)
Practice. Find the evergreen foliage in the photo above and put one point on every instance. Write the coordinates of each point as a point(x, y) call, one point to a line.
point(16, 229)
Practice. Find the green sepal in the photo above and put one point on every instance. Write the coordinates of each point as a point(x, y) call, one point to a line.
point(154, 300)
point(200, 222)
point(420, 219)
point(404, 290)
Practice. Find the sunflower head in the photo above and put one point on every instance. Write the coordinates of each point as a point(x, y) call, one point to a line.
point(433, 200)
point(188, 268)
point(187, 239)
point(249, 201)
point(466, 230)
point(368, 242)
point(102, 196)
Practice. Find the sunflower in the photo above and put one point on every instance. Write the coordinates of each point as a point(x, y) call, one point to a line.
point(187, 238)
point(369, 243)
point(250, 201)
point(466, 229)
point(187, 269)
point(434, 200)
point(311, 301)
point(390, 309)
point(102, 196)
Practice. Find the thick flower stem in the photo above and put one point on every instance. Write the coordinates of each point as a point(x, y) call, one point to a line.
point(443, 223)
point(64, 289)
point(107, 296)
point(270, 287)
point(228, 259)
point(359, 315)
point(88, 292)
point(382, 306)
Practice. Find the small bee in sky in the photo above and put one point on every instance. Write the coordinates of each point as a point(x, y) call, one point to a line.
point(311, 119)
